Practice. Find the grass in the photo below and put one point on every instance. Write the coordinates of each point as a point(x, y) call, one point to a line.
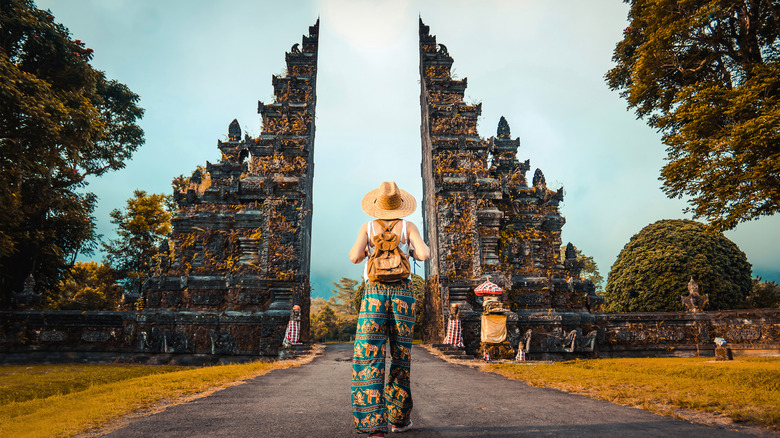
point(745, 390)
point(65, 400)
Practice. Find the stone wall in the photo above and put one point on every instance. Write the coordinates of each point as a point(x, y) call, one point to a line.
point(151, 336)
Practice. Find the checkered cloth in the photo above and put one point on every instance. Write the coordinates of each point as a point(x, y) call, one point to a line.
point(520, 355)
point(488, 288)
point(293, 334)
point(454, 334)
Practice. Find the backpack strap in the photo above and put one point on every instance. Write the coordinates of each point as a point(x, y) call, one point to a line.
point(389, 227)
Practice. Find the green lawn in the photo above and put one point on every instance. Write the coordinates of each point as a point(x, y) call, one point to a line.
point(745, 389)
point(65, 400)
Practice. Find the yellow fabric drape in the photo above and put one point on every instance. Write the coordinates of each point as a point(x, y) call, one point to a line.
point(493, 328)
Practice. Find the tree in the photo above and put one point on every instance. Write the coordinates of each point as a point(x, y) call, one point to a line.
point(706, 73)
point(418, 285)
point(60, 122)
point(764, 294)
point(652, 271)
point(325, 324)
point(343, 299)
point(141, 227)
point(88, 286)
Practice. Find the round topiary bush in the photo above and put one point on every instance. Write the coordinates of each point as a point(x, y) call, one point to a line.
point(653, 269)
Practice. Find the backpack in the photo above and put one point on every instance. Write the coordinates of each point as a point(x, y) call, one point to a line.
point(387, 263)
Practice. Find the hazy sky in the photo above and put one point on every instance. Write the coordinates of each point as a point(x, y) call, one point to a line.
point(197, 65)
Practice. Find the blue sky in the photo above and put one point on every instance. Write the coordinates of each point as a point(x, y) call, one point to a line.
point(199, 64)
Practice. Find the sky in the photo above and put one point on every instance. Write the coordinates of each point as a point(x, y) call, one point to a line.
point(199, 64)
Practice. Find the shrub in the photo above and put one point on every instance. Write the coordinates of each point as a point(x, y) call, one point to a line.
point(653, 269)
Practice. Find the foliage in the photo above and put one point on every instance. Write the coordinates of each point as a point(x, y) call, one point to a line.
point(652, 271)
point(335, 319)
point(590, 270)
point(747, 389)
point(344, 298)
point(60, 122)
point(141, 227)
point(68, 401)
point(764, 294)
point(418, 285)
point(706, 73)
point(88, 286)
point(325, 324)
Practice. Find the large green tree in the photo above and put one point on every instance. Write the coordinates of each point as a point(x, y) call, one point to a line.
point(61, 121)
point(141, 228)
point(706, 73)
point(652, 271)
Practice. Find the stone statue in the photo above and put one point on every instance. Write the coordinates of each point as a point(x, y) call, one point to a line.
point(27, 297)
point(694, 301)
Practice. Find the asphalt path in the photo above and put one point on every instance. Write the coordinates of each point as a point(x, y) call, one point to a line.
point(449, 401)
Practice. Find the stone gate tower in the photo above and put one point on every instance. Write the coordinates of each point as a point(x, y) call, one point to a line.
point(239, 255)
point(481, 216)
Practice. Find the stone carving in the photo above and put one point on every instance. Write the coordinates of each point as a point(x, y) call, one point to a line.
point(694, 302)
point(27, 297)
point(222, 342)
point(51, 336)
point(743, 334)
point(96, 336)
point(573, 341)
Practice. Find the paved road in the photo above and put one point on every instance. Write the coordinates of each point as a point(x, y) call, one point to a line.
point(450, 401)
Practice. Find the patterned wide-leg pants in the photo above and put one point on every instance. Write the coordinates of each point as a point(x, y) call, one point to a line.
point(386, 313)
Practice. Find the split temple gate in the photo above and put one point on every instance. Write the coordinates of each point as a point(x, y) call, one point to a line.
point(238, 258)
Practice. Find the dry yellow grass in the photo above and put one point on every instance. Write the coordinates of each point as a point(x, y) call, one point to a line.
point(746, 389)
point(74, 399)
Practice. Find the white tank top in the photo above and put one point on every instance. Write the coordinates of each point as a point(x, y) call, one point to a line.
point(403, 243)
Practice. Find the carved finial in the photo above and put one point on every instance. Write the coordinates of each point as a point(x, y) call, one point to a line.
point(503, 128)
point(694, 301)
point(571, 252)
point(234, 131)
point(197, 177)
point(443, 50)
point(539, 180)
point(693, 287)
point(29, 285)
point(295, 49)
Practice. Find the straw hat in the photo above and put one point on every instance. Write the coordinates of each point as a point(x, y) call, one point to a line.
point(388, 202)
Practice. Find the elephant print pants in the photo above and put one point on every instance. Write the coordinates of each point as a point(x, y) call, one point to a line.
point(386, 313)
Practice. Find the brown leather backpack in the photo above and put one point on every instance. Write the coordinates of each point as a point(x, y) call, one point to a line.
point(387, 263)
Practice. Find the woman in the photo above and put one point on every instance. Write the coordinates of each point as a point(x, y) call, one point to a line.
point(386, 314)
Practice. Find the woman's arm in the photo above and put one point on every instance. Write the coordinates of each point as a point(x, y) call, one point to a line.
point(421, 250)
point(358, 251)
